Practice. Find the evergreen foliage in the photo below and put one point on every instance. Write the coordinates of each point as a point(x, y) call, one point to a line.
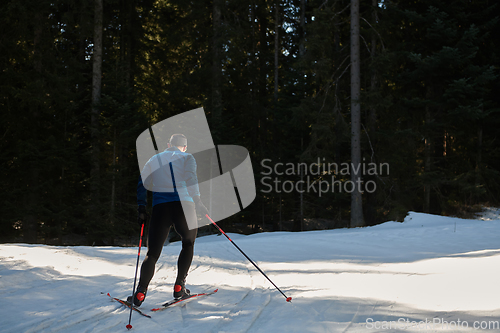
point(430, 107)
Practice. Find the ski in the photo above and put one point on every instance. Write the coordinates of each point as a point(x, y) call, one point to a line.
point(177, 301)
point(127, 304)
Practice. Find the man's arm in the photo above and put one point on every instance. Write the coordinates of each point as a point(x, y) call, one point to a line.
point(190, 177)
point(142, 193)
point(192, 185)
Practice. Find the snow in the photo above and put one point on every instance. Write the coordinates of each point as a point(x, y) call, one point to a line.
point(430, 273)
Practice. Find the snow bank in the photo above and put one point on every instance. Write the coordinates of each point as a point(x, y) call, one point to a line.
point(391, 277)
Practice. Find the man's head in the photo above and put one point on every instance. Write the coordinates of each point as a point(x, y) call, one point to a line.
point(179, 141)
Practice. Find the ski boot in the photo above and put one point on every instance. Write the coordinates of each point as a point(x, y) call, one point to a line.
point(138, 298)
point(180, 290)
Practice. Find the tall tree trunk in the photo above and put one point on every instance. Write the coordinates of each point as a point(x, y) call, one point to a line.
point(428, 148)
point(127, 19)
point(356, 199)
point(427, 161)
point(62, 185)
point(31, 200)
point(30, 219)
point(371, 201)
point(252, 83)
point(95, 109)
point(276, 47)
point(83, 17)
point(302, 47)
point(216, 68)
point(263, 50)
point(372, 117)
point(339, 121)
point(479, 155)
point(113, 182)
point(301, 187)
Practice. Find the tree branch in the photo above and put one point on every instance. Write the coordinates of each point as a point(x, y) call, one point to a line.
point(380, 37)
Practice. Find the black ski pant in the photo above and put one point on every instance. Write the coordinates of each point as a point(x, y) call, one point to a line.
point(165, 215)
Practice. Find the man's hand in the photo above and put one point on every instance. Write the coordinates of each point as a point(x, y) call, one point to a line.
point(200, 207)
point(142, 215)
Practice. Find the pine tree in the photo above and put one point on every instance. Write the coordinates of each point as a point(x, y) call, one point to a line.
point(443, 83)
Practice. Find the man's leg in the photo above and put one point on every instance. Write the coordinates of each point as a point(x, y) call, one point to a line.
point(159, 228)
point(188, 237)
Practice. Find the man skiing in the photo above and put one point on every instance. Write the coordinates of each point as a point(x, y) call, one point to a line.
point(176, 206)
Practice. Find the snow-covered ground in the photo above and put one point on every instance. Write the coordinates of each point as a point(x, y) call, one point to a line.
point(428, 274)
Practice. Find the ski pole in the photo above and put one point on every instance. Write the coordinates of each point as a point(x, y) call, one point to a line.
point(288, 299)
point(135, 277)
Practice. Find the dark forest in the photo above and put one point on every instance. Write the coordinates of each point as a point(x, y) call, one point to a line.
point(82, 79)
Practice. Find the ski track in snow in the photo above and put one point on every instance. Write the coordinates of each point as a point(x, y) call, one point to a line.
point(244, 313)
point(427, 268)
